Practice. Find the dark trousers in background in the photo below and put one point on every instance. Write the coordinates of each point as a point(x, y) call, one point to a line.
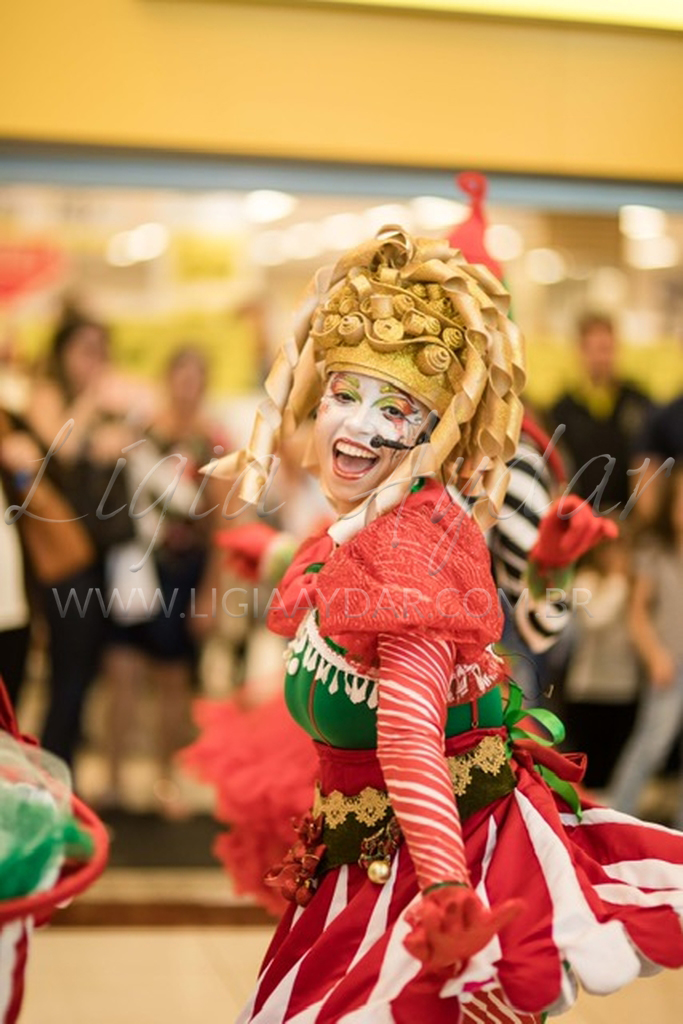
point(77, 635)
point(600, 731)
point(14, 644)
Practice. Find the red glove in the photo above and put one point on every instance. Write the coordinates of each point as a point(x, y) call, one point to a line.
point(561, 541)
point(451, 924)
point(245, 547)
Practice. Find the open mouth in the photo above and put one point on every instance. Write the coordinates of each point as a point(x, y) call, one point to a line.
point(351, 460)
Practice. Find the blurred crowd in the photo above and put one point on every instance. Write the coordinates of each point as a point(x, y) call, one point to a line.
point(619, 667)
point(111, 537)
point(112, 570)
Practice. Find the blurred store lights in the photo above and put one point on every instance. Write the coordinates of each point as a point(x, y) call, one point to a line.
point(342, 231)
point(148, 241)
point(388, 213)
point(580, 270)
point(431, 213)
point(649, 241)
point(652, 253)
point(646, 244)
point(266, 205)
point(545, 266)
point(308, 239)
point(117, 250)
point(504, 242)
point(145, 242)
point(303, 241)
point(607, 289)
point(339, 231)
point(269, 248)
point(218, 214)
point(642, 221)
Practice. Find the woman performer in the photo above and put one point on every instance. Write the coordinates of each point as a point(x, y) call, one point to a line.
point(448, 870)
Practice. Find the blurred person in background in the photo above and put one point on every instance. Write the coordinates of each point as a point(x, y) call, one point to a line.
point(601, 683)
point(659, 446)
point(656, 613)
point(662, 436)
point(15, 632)
point(257, 550)
point(165, 641)
point(533, 622)
point(14, 604)
point(603, 416)
point(79, 384)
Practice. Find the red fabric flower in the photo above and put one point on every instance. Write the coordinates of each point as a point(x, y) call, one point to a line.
point(568, 531)
point(295, 876)
point(245, 546)
point(451, 924)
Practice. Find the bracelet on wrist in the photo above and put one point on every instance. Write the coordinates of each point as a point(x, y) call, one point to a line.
point(443, 885)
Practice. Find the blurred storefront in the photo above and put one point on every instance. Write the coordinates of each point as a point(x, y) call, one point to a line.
point(141, 142)
point(222, 267)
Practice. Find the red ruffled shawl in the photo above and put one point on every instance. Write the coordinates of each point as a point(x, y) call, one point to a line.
point(421, 568)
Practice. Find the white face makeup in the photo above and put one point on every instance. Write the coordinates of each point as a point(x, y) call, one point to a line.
point(354, 409)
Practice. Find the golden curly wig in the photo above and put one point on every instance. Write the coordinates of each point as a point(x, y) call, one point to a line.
point(414, 312)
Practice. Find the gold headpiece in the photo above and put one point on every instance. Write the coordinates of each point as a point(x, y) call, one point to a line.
point(408, 332)
point(413, 312)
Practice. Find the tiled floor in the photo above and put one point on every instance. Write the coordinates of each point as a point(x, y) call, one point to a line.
point(141, 976)
point(187, 976)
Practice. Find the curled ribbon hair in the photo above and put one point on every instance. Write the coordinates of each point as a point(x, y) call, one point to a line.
point(415, 297)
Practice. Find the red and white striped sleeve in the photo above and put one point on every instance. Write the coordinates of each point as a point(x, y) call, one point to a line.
point(415, 679)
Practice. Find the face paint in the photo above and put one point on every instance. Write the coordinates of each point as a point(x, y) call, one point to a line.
point(354, 409)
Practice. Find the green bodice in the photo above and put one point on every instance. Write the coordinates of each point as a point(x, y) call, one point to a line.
point(328, 697)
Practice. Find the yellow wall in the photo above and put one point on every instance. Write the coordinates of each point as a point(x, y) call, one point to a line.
point(343, 84)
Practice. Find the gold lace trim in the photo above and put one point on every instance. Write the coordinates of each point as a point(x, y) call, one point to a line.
point(370, 805)
point(489, 756)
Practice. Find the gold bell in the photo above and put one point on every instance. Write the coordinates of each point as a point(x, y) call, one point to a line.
point(379, 871)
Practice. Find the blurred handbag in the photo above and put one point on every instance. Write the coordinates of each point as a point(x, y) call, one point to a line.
point(57, 545)
point(60, 547)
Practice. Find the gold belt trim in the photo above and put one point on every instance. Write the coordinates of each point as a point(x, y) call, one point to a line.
point(370, 806)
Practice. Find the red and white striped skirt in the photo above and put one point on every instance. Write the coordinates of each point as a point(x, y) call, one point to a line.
point(14, 940)
point(603, 904)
